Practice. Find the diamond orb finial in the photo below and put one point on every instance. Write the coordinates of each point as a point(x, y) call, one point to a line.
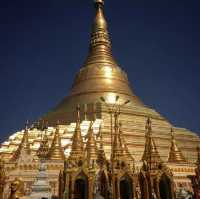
point(99, 1)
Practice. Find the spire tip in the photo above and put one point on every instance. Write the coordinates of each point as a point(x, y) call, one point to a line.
point(99, 2)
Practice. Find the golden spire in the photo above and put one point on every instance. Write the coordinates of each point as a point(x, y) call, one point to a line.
point(91, 147)
point(56, 151)
point(77, 140)
point(151, 155)
point(99, 76)
point(126, 151)
point(24, 145)
point(100, 45)
point(101, 153)
point(44, 146)
point(117, 145)
point(175, 155)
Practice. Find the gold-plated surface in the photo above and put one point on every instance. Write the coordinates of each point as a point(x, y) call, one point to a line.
point(175, 155)
point(151, 155)
point(24, 145)
point(77, 141)
point(16, 189)
point(118, 153)
point(44, 147)
point(101, 76)
point(2, 178)
point(56, 151)
point(91, 146)
point(101, 175)
point(101, 158)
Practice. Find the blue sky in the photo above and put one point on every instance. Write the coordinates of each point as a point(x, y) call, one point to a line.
point(44, 43)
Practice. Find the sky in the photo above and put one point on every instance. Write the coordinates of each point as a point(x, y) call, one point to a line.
point(44, 43)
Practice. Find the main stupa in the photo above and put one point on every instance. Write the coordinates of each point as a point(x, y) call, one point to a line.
point(100, 88)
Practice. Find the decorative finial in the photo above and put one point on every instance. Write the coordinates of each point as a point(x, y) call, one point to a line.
point(46, 125)
point(91, 147)
point(77, 151)
point(78, 117)
point(99, 2)
point(150, 154)
point(172, 133)
point(85, 112)
point(57, 124)
point(148, 124)
point(26, 125)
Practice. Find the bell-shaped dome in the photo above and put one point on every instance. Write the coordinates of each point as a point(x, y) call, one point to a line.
point(99, 76)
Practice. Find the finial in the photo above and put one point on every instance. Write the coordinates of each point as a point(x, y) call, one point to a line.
point(24, 145)
point(94, 111)
point(99, 2)
point(148, 124)
point(57, 124)
point(116, 116)
point(150, 154)
point(172, 133)
point(46, 125)
point(26, 125)
point(91, 147)
point(85, 112)
point(43, 125)
point(78, 113)
point(77, 151)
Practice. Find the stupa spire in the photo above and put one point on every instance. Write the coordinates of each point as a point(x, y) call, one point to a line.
point(126, 151)
point(117, 144)
point(100, 44)
point(100, 75)
point(175, 155)
point(77, 140)
point(44, 146)
point(151, 155)
point(91, 146)
point(99, 28)
point(56, 151)
point(101, 153)
point(24, 145)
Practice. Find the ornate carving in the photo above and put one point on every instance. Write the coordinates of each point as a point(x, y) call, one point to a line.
point(2, 178)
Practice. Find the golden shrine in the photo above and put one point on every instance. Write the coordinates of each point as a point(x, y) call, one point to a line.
point(107, 143)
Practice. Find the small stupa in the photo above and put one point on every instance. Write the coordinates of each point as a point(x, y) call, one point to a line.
point(41, 187)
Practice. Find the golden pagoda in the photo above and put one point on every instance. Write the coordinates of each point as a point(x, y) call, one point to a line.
point(175, 155)
point(56, 151)
point(91, 141)
point(24, 146)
